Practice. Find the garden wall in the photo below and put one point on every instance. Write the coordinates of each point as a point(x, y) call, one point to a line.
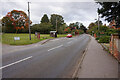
point(115, 46)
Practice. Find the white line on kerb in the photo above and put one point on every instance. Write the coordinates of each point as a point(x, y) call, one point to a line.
point(55, 47)
point(16, 62)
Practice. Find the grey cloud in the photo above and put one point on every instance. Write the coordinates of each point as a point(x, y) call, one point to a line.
point(84, 12)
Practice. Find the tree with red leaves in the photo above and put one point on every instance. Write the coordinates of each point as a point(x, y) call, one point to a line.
point(17, 20)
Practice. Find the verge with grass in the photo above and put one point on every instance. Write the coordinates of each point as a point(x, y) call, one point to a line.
point(8, 38)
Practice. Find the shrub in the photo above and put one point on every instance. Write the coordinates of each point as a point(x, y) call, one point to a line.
point(104, 39)
point(97, 38)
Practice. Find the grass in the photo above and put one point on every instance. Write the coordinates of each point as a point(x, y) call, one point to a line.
point(8, 38)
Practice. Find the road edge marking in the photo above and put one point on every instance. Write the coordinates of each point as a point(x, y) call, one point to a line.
point(15, 62)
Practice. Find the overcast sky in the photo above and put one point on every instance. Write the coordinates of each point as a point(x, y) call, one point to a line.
point(72, 10)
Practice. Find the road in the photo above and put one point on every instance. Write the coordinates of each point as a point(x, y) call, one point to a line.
point(57, 58)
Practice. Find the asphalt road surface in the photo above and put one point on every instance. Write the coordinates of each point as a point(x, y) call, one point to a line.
point(55, 59)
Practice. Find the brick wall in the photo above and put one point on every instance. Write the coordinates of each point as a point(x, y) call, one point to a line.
point(115, 46)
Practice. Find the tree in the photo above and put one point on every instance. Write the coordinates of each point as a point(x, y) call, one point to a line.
point(16, 20)
point(62, 28)
point(111, 11)
point(82, 27)
point(77, 24)
point(91, 25)
point(67, 30)
point(100, 23)
point(43, 28)
point(45, 19)
point(7, 25)
point(56, 18)
point(72, 26)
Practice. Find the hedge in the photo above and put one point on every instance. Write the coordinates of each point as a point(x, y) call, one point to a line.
point(104, 39)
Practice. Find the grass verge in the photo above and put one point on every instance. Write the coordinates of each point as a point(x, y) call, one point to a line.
point(8, 38)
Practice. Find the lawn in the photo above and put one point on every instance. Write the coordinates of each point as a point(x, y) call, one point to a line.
point(8, 38)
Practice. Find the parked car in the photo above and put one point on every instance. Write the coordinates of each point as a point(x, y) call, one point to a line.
point(69, 36)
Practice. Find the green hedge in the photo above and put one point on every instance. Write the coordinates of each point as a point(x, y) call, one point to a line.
point(104, 39)
point(97, 38)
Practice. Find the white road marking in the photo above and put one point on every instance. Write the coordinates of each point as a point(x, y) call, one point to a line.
point(69, 42)
point(55, 40)
point(55, 47)
point(16, 62)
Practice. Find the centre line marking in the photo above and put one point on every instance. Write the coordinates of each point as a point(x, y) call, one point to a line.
point(55, 47)
point(16, 62)
point(55, 40)
point(69, 42)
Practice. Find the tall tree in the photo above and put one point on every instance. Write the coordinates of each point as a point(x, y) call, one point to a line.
point(82, 27)
point(16, 20)
point(45, 19)
point(100, 23)
point(43, 28)
point(111, 11)
point(56, 19)
point(77, 24)
point(7, 25)
point(91, 25)
point(72, 26)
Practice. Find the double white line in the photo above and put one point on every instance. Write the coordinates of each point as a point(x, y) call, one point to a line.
point(55, 47)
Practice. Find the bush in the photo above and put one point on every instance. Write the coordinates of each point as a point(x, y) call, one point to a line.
point(97, 38)
point(104, 39)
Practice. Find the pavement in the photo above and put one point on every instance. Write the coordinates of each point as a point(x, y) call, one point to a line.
point(57, 58)
point(97, 63)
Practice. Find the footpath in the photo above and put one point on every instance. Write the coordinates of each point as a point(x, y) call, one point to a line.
point(97, 63)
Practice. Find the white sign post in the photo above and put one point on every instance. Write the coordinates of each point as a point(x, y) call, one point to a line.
point(16, 38)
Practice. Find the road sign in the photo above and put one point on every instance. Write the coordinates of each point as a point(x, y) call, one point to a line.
point(16, 38)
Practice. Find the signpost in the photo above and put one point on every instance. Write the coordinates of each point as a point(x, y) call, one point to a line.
point(16, 38)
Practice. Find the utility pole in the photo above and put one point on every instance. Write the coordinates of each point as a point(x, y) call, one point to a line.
point(98, 22)
point(98, 25)
point(56, 28)
point(56, 23)
point(29, 21)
